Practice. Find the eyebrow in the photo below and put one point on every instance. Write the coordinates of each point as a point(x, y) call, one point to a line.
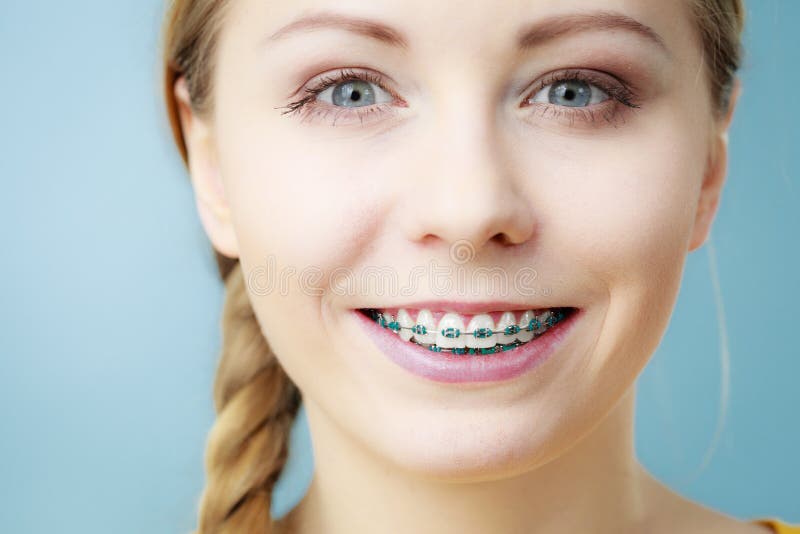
point(529, 36)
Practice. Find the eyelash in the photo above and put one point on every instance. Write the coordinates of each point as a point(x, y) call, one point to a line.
point(306, 106)
point(620, 97)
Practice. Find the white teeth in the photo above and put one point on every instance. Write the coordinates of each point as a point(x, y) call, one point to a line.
point(523, 334)
point(405, 320)
point(454, 321)
point(481, 321)
point(388, 317)
point(543, 322)
point(405, 326)
point(507, 319)
point(425, 318)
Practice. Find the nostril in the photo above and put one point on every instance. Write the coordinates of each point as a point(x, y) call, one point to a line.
point(502, 238)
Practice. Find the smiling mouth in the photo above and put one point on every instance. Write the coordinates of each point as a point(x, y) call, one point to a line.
point(483, 335)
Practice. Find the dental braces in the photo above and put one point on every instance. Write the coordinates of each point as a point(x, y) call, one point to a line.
point(479, 333)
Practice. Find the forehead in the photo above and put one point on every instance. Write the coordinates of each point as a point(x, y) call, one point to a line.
point(485, 28)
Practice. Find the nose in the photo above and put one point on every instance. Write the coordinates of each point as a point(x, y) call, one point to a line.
point(470, 192)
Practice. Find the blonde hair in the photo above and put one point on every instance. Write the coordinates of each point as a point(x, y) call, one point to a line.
point(256, 402)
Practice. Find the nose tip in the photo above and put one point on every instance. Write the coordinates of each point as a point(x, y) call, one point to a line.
point(491, 221)
point(470, 219)
point(476, 200)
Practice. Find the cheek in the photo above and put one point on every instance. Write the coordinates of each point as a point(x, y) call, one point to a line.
point(290, 202)
point(298, 207)
point(622, 213)
point(621, 210)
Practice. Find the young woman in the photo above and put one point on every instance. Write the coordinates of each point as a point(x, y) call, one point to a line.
point(528, 176)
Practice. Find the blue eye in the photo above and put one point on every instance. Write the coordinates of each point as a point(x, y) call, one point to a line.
point(353, 94)
point(570, 93)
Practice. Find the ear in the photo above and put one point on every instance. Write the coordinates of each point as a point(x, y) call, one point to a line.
point(205, 175)
point(714, 179)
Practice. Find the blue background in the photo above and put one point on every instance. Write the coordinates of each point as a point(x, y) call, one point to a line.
point(110, 298)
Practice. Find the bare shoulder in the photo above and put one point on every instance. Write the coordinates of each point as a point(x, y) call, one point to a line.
point(675, 513)
point(716, 523)
point(725, 524)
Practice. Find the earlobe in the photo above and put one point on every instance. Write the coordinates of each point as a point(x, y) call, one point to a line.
point(714, 179)
point(207, 183)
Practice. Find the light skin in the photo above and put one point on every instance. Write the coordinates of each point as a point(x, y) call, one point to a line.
point(605, 211)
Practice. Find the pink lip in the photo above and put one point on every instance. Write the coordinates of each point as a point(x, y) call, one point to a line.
point(446, 367)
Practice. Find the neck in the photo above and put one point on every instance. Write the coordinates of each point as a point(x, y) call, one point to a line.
point(595, 486)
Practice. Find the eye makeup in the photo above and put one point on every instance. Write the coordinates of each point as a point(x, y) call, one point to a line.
point(619, 96)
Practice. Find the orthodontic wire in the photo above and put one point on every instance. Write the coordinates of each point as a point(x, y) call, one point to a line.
point(453, 333)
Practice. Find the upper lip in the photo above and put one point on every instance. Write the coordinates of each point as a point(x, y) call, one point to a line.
point(467, 308)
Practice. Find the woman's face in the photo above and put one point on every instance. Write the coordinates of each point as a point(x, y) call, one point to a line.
point(530, 154)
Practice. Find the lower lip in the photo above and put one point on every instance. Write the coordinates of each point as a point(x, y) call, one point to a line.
point(451, 368)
